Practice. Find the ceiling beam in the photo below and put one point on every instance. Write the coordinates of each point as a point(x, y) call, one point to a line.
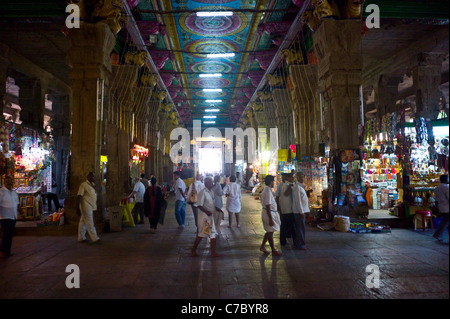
point(438, 39)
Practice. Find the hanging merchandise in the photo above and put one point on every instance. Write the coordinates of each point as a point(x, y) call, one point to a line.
point(28, 158)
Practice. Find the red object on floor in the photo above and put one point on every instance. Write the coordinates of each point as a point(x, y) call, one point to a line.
point(424, 214)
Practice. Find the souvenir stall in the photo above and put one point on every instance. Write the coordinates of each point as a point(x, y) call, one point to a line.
point(137, 161)
point(315, 172)
point(426, 145)
point(381, 167)
point(27, 155)
point(345, 191)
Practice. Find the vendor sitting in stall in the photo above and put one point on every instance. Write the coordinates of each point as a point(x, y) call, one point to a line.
point(368, 194)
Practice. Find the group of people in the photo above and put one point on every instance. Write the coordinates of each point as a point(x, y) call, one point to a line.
point(149, 201)
point(284, 211)
point(190, 195)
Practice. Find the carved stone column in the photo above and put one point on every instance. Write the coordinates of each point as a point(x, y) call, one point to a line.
point(306, 97)
point(61, 109)
point(386, 94)
point(283, 113)
point(4, 65)
point(426, 72)
point(89, 59)
point(337, 44)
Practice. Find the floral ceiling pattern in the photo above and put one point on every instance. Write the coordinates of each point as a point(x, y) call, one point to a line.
point(253, 32)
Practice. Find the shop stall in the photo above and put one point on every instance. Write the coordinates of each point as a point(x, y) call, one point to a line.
point(427, 145)
point(27, 155)
point(137, 161)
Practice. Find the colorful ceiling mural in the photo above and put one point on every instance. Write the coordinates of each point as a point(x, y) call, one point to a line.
point(179, 41)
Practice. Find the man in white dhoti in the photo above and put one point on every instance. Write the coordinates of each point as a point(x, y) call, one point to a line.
point(233, 193)
point(270, 217)
point(206, 226)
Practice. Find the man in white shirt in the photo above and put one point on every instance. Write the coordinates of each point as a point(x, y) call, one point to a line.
point(300, 207)
point(86, 205)
point(206, 226)
point(138, 193)
point(195, 187)
point(9, 206)
point(441, 196)
point(284, 204)
point(232, 192)
point(180, 199)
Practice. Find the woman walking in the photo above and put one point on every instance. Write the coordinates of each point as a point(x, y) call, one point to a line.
point(153, 202)
point(269, 214)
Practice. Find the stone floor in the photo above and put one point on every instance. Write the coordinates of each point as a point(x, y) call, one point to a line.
point(137, 264)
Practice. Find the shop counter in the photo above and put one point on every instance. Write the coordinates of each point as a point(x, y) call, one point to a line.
point(30, 203)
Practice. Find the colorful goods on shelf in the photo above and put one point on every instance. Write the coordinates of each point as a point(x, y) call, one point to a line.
point(55, 219)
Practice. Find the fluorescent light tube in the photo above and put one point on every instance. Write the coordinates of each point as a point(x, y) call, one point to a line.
point(215, 14)
point(220, 55)
point(210, 75)
point(212, 90)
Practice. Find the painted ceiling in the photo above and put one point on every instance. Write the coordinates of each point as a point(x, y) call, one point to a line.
point(178, 41)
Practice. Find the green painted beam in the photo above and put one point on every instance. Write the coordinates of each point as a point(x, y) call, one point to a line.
point(33, 9)
point(411, 9)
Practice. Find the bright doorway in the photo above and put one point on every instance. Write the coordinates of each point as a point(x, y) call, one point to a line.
point(210, 161)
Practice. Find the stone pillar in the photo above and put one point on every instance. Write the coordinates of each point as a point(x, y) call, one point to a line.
point(306, 99)
point(386, 94)
point(118, 140)
point(4, 65)
point(89, 59)
point(61, 131)
point(337, 44)
point(426, 72)
point(283, 114)
point(32, 102)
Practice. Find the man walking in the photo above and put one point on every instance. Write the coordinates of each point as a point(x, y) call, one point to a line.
point(441, 197)
point(233, 194)
point(300, 207)
point(206, 226)
point(180, 199)
point(138, 193)
point(86, 205)
point(9, 206)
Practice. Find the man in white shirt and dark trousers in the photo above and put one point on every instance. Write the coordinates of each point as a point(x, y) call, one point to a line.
point(300, 207)
point(206, 225)
point(138, 193)
point(441, 197)
point(284, 204)
point(9, 206)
